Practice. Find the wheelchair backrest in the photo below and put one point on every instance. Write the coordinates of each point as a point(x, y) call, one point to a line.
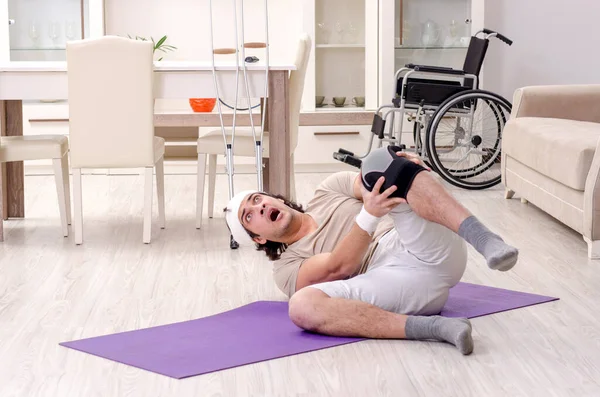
point(475, 55)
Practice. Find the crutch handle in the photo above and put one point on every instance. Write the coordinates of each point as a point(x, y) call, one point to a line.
point(255, 44)
point(224, 51)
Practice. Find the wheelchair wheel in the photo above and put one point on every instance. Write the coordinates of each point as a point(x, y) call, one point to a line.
point(463, 140)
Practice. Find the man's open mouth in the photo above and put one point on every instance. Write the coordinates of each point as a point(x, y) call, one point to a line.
point(274, 214)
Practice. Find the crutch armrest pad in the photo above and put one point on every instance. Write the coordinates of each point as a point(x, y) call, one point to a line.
point(255, 45)
point(224, 51)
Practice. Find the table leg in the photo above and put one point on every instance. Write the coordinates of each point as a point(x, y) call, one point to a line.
point(3, 195)
point(278, 125)
point(13, 196)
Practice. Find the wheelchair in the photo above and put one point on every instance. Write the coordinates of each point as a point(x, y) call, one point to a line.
point(457, 127)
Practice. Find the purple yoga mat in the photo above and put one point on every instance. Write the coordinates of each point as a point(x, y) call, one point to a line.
point(473, 300)
point(257, 332)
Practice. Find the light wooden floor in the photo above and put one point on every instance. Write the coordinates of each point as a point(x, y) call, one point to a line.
point(52, 291)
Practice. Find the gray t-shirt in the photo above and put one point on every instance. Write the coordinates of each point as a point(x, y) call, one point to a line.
point(334, 208)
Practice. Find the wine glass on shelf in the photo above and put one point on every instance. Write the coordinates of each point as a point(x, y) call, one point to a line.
point(339, 28)
point(70, 30)
point(54, 31)
point(453, 32)
point(352, 33)
point(323, 33)
point(34, 31)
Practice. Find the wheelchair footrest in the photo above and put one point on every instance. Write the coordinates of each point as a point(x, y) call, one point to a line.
point(347, 157)
point(344, 151)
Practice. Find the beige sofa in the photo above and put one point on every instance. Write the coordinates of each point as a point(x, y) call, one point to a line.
point(550, 155)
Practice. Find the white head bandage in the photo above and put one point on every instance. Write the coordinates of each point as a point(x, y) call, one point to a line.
point(233, 221)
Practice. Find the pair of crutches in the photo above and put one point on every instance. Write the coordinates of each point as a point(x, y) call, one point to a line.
point(229, 145)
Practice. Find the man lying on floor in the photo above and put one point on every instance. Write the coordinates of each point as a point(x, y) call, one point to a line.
point(350, 270)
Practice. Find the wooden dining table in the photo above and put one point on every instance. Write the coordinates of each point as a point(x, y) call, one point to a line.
point(25, 81)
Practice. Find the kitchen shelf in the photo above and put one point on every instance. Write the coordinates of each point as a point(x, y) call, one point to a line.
point(346, 108)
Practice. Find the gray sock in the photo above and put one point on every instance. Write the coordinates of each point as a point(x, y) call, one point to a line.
point(456, 331)
point(498, 254)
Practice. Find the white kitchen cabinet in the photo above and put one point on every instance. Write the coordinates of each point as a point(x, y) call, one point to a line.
point(344, 58)
point(37, 30)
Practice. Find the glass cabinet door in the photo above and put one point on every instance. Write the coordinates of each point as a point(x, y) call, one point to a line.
point(39, 29)
point(344, 39)
point(432, 32)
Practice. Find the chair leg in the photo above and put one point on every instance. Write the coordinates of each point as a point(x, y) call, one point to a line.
point(60, 190)
point(77, 204)
point(160, 188)
point(65, 172)
point(212, 176)
point(508, 194)
point(201, 176)
point(148, 188)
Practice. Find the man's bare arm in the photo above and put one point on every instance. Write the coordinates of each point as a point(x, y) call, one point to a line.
point(343, 262)
point(345, 259)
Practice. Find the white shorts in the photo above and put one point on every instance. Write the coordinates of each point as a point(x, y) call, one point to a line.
point(412, 269)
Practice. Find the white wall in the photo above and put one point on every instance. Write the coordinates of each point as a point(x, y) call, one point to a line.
point(187, 25)
point(555, 42)
point(186, 22)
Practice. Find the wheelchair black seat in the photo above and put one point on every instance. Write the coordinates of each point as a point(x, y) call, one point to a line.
point(433, 92)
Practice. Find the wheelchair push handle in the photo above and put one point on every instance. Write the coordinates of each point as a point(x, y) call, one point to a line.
point(498, 35)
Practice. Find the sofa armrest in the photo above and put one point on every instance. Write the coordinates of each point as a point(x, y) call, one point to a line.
point(572, 102)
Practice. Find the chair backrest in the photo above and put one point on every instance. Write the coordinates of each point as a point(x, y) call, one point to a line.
point(111, 102)
point(475, 55)
point(296, 86)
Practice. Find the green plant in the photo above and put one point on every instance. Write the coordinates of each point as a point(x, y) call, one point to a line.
point(158, 45)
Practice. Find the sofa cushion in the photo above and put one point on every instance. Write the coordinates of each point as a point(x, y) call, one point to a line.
point(559, 149)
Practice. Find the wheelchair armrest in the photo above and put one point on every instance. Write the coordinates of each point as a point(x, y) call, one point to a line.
point(434, 69)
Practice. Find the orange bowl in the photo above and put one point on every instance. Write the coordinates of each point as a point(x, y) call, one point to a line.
point(203, 104)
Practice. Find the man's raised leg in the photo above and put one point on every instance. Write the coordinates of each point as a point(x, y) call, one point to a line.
point(313, 310)
point(430, 200)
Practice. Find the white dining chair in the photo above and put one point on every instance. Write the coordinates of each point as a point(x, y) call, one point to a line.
point(211, 143)
point(41, 147)
point(111, 116)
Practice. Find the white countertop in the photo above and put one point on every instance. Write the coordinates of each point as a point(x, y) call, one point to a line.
point(47, 66)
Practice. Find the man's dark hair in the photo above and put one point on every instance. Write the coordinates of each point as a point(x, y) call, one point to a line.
point(273, 249)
